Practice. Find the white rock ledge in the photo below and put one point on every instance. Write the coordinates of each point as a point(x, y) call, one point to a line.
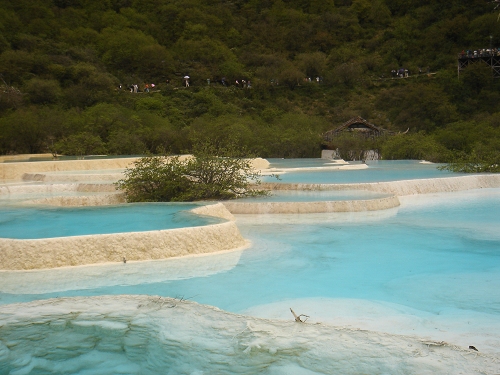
point(158, 333)
point(79, 201)
point(15, 171)
point(312, 207)
point(46, 253)
point(405, 187)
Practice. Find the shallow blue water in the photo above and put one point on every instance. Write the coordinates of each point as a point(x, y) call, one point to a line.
point(381, 170)
point(436, 253)
point(413, 256)
point(30, 223)
point(389, 259)
point(315, 196)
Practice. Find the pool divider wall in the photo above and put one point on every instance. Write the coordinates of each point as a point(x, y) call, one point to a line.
point(70, 178)
point(405, 187)
point(69, 195)
point(312, 207)
point(134, 246)
point(16, 170)
point(38, 189)
point(79, 201)
point(23, 157)
point(216, 210)
point(114, 196)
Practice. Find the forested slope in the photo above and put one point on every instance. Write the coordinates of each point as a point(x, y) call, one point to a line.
point(62, 63)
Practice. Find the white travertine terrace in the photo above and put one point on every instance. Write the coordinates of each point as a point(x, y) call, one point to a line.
point(80, 250)
point(259, 163)
point(134, 246)
point(95, 276)
point(56, 188)
point(57, 177)
point(16, 170)
point(185, 337)
point(405, 187)
point(312, 207)
point(82, 194)
point(49, 186)
point(78, 201)
point(23, 157)
point(216, 210)
point(149, 329)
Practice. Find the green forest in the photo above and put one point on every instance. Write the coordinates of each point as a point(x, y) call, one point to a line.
point(272, 75)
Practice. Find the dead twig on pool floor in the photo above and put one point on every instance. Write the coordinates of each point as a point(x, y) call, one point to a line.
point(298, 317)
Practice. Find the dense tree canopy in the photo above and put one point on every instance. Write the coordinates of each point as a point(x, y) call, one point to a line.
point(272, 74)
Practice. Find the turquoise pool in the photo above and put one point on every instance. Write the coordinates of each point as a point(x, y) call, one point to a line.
point(315, 196)
point(382, 170)
point(428, 269)
point(31, 223)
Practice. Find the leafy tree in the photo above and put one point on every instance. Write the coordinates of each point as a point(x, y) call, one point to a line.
point(348, 74)
point(33, 129)
point(125, 143)
point(16, 66)
point(312, 64)
point(351, 146)
point(127, 49)
point(223, 130)
point(290, 76)
point(292, 136)
point(220, 173)
point(43, 91)
point(154, 179)
point(80, 36)
point(418, 107)
point(80, 145)
point(10, 97)
point(481, 159)
point(154, 104)
point(212, 173)
point(413, 146)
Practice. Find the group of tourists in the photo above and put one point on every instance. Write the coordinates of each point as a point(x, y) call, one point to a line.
point(400, 73)
point(148, 87)
point(405, 73)
point(317, 79)
point(242, 83)
point(484, 52)
point(135, 88)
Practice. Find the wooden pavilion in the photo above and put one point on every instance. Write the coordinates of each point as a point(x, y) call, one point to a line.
point(356, 125)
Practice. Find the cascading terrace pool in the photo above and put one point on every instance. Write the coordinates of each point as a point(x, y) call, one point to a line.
point(404, 290)
point(321, 171)
point(48, 222)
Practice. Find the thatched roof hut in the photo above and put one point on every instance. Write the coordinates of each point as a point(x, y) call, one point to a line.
point(358, 125)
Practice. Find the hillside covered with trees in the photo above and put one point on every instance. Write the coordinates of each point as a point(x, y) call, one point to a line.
point(271, 74)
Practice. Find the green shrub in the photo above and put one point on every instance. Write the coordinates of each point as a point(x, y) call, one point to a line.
point(414, 146)
point(480, 159)
point(81, 144)
point(212, 173)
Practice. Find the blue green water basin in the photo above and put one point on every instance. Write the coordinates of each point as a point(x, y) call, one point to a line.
point(315, 196)
point(312, 171)
point(32, 223)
